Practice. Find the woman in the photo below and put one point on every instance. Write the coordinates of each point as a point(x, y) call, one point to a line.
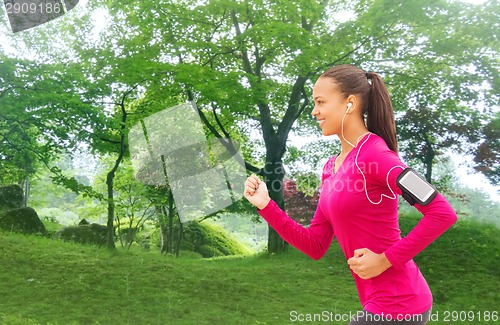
point(358, 202)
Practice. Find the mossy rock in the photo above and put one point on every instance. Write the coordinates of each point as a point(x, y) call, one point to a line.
point(211, 240)
point(187, 246)
point(209, 251)
point(94, 234)
point(22, 220)
point(11, 197)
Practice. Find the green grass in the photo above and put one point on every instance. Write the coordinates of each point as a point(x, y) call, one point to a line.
point(44, 281)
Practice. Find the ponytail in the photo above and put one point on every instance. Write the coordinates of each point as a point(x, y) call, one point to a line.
point(379, 112)
point(377, 105)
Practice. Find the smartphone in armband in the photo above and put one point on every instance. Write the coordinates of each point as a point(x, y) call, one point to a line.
point(415, 188)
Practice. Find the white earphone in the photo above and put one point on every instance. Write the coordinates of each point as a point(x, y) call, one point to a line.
point(349, 105)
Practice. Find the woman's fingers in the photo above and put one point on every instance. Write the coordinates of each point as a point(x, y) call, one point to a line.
point(252, 184)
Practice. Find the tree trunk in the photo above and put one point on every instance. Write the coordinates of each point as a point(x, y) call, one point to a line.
point(164, 238)
point(111, 209)
point(112, 173)
point(273, 175)
point(26, 192)
point(179, 238)
point(429, 158)
point(170, 222)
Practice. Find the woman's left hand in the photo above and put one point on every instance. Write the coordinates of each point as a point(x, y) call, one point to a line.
point(366, 264)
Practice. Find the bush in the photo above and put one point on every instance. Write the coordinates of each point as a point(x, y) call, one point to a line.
point(65, 218)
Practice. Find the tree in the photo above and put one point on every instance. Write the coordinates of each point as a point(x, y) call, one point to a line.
point(249, 65)
point(433, 130)
point(255, 60)
point(488, 152)
point(299, 206)
point(45, 109)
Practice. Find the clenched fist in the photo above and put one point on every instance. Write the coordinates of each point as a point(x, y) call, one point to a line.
point(256, 192)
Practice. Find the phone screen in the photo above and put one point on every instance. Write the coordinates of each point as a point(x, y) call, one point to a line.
point(417, 186)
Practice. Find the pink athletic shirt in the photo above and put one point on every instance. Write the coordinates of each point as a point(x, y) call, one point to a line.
point(344, 212)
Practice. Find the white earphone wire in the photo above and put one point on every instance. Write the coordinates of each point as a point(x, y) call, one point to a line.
point(342, 127)
point(394, 196)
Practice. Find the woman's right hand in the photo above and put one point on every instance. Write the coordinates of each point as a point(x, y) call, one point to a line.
point(256, 192)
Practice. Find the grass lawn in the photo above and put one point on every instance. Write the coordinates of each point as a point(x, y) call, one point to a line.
point(44, 281)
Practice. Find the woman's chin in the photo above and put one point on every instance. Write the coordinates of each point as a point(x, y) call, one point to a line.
point(326, 132)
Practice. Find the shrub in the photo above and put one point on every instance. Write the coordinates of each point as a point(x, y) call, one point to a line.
point(65, 218)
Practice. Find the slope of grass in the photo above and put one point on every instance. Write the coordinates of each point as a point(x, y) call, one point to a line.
point(44, 281)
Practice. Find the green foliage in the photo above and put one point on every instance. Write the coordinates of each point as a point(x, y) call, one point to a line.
point(45, 110)
point(467, 203)
point(51, 225)
point(304, 164)
point(135, 230)
point(488, 152)
point(247, 228)
point(11, 197)
point(63, 218)
point(250, 66)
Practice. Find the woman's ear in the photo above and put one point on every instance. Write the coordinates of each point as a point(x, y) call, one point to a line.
point(351, 103)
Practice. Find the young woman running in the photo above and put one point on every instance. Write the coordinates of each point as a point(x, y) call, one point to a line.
point(358, 202)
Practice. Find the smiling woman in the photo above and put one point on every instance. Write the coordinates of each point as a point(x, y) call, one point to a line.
point(358, 202)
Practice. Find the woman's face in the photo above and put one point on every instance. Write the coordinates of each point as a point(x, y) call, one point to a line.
point(329, 106)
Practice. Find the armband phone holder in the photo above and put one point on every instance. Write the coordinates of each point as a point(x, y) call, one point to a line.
point(415, 188)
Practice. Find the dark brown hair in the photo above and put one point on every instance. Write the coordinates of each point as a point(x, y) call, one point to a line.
point(375, 100)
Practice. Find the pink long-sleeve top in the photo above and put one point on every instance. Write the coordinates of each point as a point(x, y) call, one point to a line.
point(358, 206)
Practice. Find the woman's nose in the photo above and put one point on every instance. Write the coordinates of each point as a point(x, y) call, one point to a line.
point(314, 111)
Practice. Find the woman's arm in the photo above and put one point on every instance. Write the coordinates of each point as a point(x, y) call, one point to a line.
point(438, 216)
point(313, 241)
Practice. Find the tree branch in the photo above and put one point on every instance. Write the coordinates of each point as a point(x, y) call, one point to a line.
point(291, 114)
point(217, 26)
point(219, 123)
point(247, 66)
